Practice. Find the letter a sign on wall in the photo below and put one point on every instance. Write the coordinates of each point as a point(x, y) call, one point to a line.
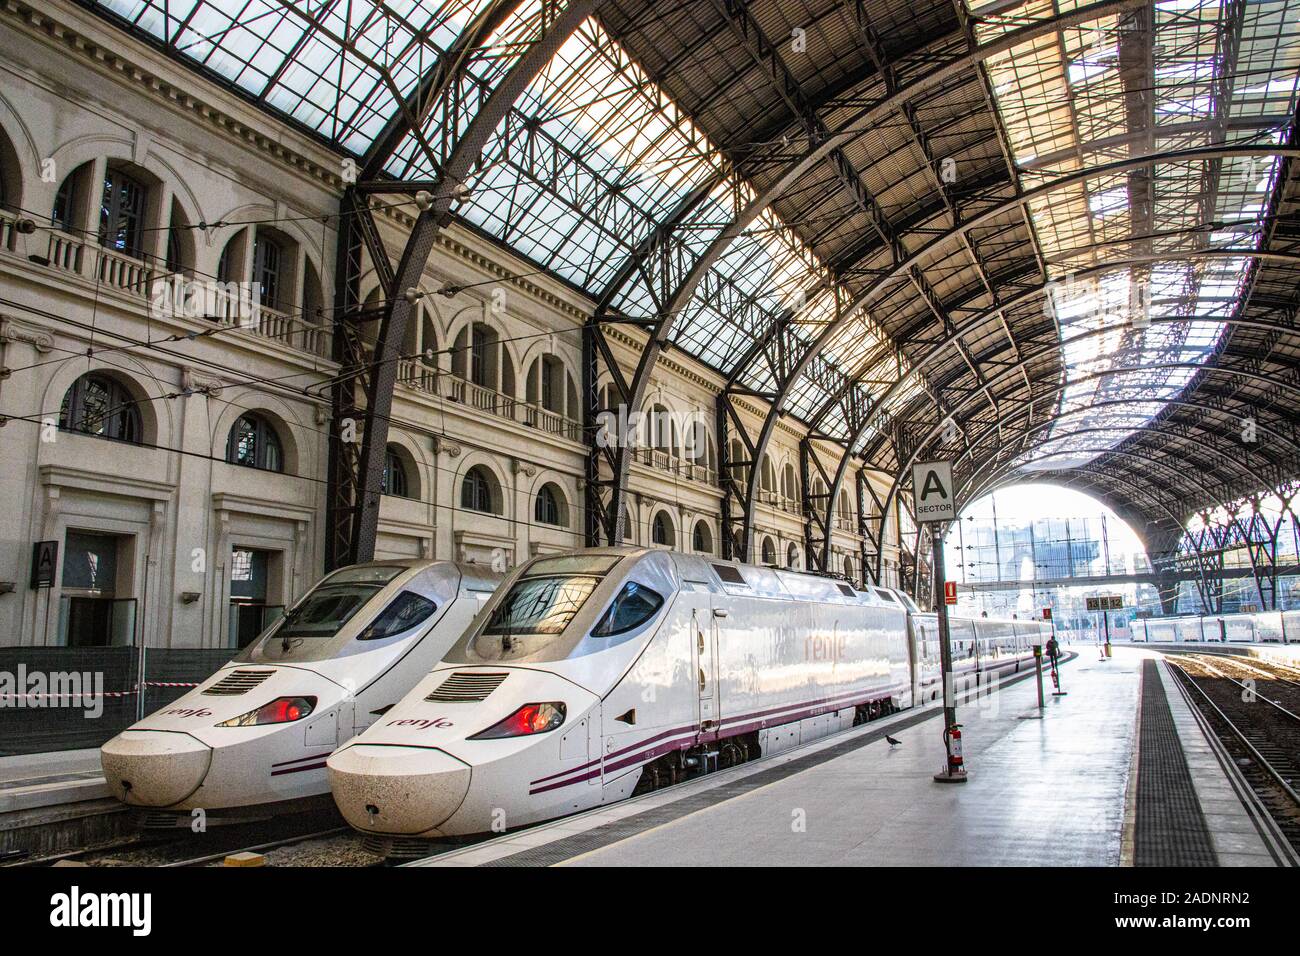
point(932, 491)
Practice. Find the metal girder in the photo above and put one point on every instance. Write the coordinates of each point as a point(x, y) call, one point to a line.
point(1020, 201)
point(447, 74)
point(1028, 293)
point(1010, 371)
point(863, 121)
point(360, 512)
point(1160, 462)
point(905, 467)
point(684, 290)
point(954, 339)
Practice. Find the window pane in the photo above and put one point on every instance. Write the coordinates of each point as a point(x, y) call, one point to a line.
point(324, 612)
point(634, 605)
point(406, 611)
point(541, 605)
point(91, 562)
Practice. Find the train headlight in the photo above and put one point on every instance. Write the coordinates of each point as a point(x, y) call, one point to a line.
point(527, 720)
point(282, 710)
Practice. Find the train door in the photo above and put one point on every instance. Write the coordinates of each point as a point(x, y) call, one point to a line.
point(705, 622)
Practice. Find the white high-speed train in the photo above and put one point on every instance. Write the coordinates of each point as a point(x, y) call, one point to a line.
point(594, 675)
point(258, 731)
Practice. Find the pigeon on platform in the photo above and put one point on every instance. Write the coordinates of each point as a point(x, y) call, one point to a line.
point(892, 741)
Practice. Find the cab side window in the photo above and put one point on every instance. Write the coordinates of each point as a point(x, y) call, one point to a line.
point(406, 611)
point(633, 606)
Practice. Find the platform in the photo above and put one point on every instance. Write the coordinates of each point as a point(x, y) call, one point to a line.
point(1057, 790)
point(47, 779)
point(54, 802)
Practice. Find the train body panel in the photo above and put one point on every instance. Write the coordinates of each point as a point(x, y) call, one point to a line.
point(258, 731)
point(587, 672)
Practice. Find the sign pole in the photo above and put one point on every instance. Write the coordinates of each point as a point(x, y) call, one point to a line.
point(934, 499)
point(954, 768)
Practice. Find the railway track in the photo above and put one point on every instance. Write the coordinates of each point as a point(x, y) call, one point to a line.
point(296, 839)
point(322, 848)
point(1260, 733)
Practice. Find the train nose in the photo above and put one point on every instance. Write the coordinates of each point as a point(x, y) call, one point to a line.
point(154, 768)
point(386, 789)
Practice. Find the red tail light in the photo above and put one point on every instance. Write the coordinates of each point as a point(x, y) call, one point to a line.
point(282, 710)
point(527, 720)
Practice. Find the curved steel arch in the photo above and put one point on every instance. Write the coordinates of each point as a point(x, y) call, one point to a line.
point(861, 123)
point(905, 467)
point(1012, 370)
point(993, 459)
point(1031, 292)
point(354, 512)
point(420, 101)
point(654, 345)
point(858, 126)
point(1024, 197)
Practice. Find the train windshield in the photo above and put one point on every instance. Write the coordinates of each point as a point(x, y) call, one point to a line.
point(541, 605)
point(324, 612)
point(310, 631)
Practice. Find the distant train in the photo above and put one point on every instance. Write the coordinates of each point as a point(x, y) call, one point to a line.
point(1250, 628)
point(603, 673)
point(258, 731)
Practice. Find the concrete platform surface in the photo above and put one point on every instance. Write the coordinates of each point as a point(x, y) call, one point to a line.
point(29, 781)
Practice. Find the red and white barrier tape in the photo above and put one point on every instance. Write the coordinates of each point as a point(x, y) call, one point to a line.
point(108, 693)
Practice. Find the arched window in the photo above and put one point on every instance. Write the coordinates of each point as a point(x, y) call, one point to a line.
point(547, 507)
point(11, 180)
point(428, 347)
point(396, 481)
point(121, 214)
point(476, 490)
point(99, 405)
point(254, 443)
point(792, 557)
point(268, 265)
point(661, 530)
point(702, 539)
point(848, 568)
point(67, 212)
point(769, 551)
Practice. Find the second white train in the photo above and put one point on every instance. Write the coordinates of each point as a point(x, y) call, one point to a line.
point(598, 674)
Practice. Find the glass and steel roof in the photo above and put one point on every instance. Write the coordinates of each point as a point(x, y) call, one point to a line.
point(657, 121)
point(339, 68)
point(1175, 75)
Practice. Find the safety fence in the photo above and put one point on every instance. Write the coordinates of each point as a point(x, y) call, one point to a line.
point(68, 698)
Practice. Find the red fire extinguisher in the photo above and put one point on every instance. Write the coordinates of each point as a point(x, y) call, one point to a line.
point(953, 744)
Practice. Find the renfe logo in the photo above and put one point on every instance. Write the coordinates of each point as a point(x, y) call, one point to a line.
point(422, 724)
point(824, 647)
point(187, 712)
point(73, 909)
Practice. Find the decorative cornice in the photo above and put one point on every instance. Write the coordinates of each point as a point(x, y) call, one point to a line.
point(66, 36)
point(15, 330)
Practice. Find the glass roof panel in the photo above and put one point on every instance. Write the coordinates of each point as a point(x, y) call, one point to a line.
point(1177, 75)
point(613, 158)
point(335, 66)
